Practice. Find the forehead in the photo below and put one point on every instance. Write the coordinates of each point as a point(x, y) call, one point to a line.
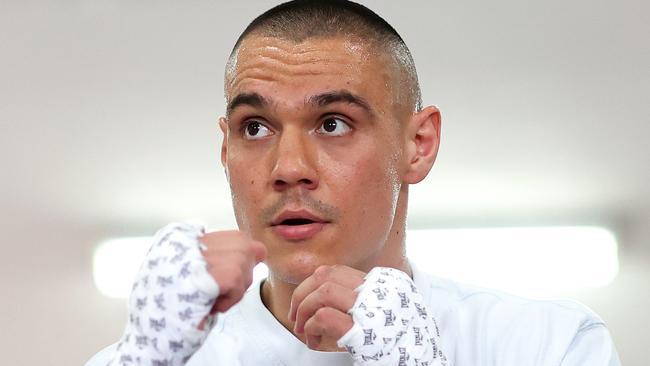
point(273, 66)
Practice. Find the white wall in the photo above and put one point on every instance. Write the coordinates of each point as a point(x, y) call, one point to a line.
point(108, 128)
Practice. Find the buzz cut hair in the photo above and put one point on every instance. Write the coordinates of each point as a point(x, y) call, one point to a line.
point(300, 20)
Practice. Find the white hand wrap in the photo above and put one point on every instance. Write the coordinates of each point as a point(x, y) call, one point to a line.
point(172, 294)
point(391, 323)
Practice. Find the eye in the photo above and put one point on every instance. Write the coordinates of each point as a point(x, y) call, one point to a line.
point(333, 126)
point(256, 130)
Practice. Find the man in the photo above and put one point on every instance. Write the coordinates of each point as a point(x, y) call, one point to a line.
point(323, 134)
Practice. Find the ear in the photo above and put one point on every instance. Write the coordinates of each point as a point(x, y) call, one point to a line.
point(223, 124)
point(423, 141)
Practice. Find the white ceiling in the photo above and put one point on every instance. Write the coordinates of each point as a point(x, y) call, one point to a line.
point(108, 109)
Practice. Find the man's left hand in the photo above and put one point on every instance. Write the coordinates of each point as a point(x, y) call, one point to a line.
point(320, 304)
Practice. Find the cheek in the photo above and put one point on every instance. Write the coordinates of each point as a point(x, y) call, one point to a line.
point(365, 186)
point(245, 184)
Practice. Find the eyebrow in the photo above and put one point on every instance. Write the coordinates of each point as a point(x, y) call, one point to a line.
point(338, 96)
point(257, 101)
point(250, 99)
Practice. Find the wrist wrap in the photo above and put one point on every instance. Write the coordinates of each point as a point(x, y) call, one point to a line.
point(391, 323)
point(172, 294)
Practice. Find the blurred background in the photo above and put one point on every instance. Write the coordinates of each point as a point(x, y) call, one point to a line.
point(108, 128)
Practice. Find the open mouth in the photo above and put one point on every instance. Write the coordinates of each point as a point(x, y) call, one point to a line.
point(298, 225)
point(296, 222)
point(297, 218)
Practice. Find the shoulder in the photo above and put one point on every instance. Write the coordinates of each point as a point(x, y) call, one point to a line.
point(102, 357)
point(473, 302)
point(497, 325)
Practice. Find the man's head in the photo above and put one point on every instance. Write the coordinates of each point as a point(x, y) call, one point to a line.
point(322, 136)
point(301, 20)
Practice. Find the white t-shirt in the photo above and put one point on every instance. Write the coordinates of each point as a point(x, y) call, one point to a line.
point(478, 327)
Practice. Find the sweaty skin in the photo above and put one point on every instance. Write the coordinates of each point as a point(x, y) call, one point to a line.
point(355, 177)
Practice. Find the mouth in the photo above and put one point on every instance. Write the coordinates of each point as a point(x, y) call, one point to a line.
point(296, 222)
point(297, 225)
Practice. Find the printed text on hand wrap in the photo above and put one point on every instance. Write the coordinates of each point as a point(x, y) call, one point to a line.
point(172, 294)
point(391, 324)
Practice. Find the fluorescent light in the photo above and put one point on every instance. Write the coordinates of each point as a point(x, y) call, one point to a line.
point(116, 263)
point(530, 261)
point(534, 261)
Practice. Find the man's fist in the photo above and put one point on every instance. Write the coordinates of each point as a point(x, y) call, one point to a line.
point(320, 304)
point(231, 257)
point(187, 276)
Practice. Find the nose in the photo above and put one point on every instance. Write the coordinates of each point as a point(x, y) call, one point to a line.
point(294, 165)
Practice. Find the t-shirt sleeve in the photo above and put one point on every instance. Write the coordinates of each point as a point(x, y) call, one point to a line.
point(222, 351)
point(102, 357)
point(490, 328)
point(592, 346)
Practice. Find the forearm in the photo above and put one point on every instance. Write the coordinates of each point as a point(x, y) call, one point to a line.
point(172, 295)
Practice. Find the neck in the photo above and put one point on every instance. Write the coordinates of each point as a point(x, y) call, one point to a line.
point(276, 296)
point(276, 293)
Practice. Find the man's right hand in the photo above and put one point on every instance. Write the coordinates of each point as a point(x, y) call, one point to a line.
point(231, 257)
point(186, 276)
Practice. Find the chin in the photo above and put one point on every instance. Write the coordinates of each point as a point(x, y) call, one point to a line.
point(294, 268)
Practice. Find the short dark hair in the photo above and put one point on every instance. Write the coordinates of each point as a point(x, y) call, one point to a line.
point(299, 20)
